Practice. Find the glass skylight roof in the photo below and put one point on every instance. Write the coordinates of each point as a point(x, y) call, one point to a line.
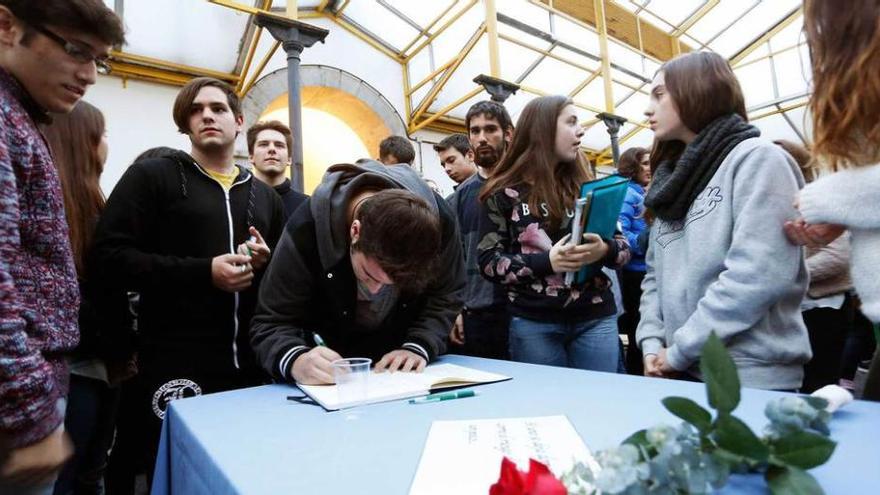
point(541, 48)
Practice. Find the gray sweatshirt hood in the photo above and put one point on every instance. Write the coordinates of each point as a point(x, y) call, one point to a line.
point(341, 182)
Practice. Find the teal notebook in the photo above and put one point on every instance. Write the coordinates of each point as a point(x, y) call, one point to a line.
point(604, 201)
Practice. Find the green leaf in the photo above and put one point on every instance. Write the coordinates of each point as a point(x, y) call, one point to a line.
point(689, 411)
point(735, 436)
point(792, 481)
point(719, 373)
point(803, 449)
point(639, 440)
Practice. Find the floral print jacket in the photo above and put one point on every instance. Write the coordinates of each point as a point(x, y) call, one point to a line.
point(514, 251)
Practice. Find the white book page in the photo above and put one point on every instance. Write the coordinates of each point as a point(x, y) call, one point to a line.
point(399, 385)
point(464, 457)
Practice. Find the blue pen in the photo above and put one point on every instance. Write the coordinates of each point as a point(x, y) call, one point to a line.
point(458, 394)
point(318, 340)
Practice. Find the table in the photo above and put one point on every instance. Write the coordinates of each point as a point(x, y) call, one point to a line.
point(254, 441)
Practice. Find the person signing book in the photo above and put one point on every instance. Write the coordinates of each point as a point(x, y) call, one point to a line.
point(372, 263)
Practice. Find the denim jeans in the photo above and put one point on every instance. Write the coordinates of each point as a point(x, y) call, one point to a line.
point(588, 344)
point(90, 421)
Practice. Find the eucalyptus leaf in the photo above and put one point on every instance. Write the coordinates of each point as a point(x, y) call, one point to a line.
point(735, 436)
point(690, 412)
point(638, 438)
point(719, 373)
point(792, 481)
point(803, 449)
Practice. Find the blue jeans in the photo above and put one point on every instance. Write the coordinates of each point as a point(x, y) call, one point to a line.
point(588, 344)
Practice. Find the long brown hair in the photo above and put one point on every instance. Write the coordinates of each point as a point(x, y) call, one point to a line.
point(844, 46)
point(74, 139)
point(703, 87)
point(531, 160)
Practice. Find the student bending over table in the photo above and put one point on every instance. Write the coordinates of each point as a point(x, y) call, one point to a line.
point(372, 263)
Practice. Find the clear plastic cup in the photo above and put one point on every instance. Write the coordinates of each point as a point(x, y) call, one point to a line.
point(352, 377)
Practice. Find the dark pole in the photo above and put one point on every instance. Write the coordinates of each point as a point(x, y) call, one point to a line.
point(499, 89)
point(613, 124)
point(295, 37)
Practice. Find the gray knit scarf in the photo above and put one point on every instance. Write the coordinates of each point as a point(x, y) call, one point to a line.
point(676, 184)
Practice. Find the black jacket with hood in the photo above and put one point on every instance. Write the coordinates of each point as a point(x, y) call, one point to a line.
point(310, 286)
point(164, 222)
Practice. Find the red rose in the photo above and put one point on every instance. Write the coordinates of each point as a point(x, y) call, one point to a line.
point(538, 481)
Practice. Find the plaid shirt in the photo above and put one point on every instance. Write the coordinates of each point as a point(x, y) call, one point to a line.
point(39, 295)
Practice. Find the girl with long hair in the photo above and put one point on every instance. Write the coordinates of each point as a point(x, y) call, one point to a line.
point(527, 213)
point(78, 143)
point(635, 164)
point(717, 260)
point(845, 54)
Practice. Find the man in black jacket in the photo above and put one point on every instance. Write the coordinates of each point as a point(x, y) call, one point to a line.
point(372, 263)
point(269, 145)
point(187, 232)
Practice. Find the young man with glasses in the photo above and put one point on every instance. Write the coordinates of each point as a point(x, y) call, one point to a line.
point(50, 53)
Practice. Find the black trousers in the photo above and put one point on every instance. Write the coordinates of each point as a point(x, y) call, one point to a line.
point(486, 333)
point(628, 322)
point(828, 329)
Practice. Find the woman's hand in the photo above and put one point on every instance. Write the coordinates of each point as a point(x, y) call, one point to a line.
point(565, 257)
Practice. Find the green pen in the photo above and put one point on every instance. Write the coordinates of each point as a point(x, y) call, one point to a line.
point(458, 394)
point(318, 340)
point(250, 239)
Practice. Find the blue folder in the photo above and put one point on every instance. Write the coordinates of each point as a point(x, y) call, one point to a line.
point(606, 199)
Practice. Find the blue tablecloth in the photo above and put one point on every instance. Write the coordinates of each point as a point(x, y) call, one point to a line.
point(254, 441)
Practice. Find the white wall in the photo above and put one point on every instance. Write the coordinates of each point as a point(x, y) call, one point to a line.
point(138, 116)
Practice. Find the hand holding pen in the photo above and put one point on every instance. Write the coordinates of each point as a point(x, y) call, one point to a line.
point(313, 367)
point(256, 248)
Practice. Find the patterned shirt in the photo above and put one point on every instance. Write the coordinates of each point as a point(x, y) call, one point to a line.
point(39, 295)
point(514, 251)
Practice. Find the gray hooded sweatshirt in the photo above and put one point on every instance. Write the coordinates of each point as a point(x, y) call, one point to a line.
point(727, 267)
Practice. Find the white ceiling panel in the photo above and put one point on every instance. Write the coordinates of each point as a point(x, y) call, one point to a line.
point(199, 33)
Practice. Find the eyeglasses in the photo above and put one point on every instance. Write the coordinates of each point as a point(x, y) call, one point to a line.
point(77, 51)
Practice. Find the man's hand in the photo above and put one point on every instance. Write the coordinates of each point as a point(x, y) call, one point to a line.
point(259, 250)
point(800, 233)
point(401, 360)
point(231, 272)
point(456, 335)
point(36, 464)
point(565, 257)
point(313, 367)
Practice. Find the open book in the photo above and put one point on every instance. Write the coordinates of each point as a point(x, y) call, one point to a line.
point(383, 387)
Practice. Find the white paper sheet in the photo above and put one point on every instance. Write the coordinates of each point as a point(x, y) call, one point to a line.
point(464, 457)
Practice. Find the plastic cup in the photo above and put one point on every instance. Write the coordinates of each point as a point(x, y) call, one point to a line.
point(352, 377)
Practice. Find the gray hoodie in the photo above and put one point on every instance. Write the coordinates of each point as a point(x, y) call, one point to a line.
point(727, 267)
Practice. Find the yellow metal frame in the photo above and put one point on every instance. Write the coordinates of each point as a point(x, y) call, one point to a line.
point(247, 87)
point(432, 94)
point(439, 31)
point(603, 17)
point(430, 26)
point(784, 23)
point(602, 28)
